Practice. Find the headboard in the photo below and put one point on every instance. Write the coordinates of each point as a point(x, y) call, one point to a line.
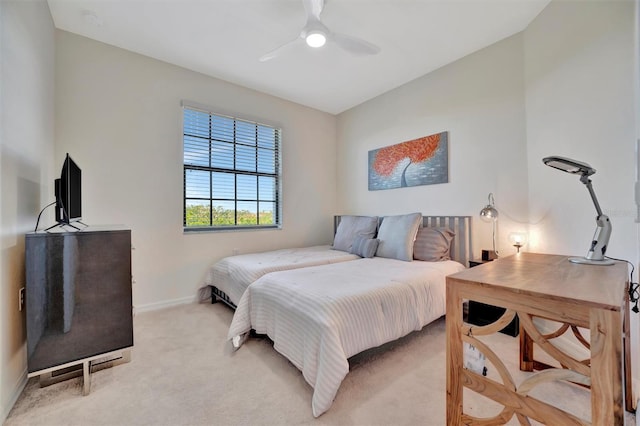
point(461, 243)
point(460, 225)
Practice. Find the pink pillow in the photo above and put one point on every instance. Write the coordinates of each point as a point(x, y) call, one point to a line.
point(433, 244)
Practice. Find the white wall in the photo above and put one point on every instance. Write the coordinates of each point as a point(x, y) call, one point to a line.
point(479, 100)
point(580, 103)
point(118, 114)
point(26, 149)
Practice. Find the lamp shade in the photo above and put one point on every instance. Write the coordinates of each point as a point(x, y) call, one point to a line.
point(568, 165)
point(518, 238)
point(489, 212)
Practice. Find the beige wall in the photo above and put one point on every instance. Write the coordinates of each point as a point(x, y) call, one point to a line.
point(26, 149)
point(479, 100)
point(118, 114)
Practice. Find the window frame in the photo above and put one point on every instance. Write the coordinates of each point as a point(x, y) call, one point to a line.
point(235, 171)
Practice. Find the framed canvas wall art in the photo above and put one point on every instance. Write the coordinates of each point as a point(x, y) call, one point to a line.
point(422, 161)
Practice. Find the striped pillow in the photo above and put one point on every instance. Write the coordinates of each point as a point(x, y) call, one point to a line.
point(433, 244)
point(364, 247)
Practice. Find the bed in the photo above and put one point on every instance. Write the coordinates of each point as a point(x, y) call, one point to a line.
point(320, 316)
point(228, 278)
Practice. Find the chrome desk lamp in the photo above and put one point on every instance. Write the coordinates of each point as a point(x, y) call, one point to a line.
point(490, 214)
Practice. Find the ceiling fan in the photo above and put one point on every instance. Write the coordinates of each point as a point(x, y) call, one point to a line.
point(316, 34)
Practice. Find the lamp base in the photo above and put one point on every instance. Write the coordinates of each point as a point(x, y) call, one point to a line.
point(489, 255)
point(585, 261)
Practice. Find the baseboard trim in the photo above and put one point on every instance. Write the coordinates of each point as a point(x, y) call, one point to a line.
point(15, 394)
point(164, 304)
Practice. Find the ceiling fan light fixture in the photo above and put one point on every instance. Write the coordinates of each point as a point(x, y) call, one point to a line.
point(316, 39)
point(316, 34)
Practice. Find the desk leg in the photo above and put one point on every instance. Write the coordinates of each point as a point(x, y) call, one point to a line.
point(606, 368)
point(628, 377)
point(454, 357)
point(526, 350)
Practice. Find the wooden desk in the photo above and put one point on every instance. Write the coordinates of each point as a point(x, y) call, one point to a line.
point(547, 286)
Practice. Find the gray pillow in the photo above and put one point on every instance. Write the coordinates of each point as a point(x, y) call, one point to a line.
point(352, 226)
point(396, 236)
point(364, 247)
point(433, 244)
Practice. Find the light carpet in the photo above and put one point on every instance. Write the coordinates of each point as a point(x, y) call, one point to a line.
point(183, 373)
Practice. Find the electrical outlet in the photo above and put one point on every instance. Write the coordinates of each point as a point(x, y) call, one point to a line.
point(20, 298)
point(235, 251)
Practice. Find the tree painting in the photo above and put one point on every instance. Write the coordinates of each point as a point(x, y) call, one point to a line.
point(422, 161)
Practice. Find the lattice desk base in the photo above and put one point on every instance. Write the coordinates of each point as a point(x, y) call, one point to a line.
point(546, 286)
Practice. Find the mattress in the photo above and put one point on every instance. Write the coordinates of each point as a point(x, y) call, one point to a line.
point(320, 316)
point(233, 274)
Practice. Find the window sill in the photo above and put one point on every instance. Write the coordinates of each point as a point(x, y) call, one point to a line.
point(209, 229)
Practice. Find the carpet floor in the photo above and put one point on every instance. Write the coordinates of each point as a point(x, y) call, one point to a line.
point(182, 372)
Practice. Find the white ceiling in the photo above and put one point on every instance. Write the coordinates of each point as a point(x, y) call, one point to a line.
point(225, 38)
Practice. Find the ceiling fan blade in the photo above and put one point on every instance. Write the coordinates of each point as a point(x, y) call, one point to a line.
point(313, 8)
point(279, 50)
point(355, 45)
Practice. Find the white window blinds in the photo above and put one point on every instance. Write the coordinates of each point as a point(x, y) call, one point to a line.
point(231, 172)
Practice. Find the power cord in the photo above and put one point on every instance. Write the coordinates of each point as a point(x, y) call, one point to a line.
point(634, 293)
point(38, 221)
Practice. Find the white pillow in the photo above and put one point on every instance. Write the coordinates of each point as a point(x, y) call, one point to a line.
point(352, 226)
point(396, 236)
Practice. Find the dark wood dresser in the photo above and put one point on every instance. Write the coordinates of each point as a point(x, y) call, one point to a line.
point(78, 296)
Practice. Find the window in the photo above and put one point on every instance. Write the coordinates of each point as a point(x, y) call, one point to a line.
point(231, 173)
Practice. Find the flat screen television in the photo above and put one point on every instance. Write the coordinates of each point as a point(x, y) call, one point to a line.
point(69, 193)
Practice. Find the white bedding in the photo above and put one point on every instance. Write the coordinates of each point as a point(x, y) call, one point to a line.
point(318, 317)
point(233, 275)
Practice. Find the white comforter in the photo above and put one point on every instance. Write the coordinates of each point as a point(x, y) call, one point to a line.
point(234, 274)
point(318, 317)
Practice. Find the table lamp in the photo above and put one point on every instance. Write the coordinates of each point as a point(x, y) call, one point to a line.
point(596, 253)
point(490, 214)
point(518, 239)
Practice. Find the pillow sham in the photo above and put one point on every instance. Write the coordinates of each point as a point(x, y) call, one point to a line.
point(396, 236)
point(364, 247)
point(433, 244)
point(352, 226)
